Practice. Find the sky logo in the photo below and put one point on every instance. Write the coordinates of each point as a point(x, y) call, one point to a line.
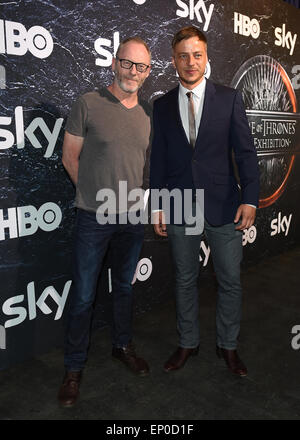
point(2, 77)
point(2, 338)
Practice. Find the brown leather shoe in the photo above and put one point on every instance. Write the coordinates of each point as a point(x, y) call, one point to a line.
point(128, 356)
point(179, 358)
point(233, 361)
point(69, 391)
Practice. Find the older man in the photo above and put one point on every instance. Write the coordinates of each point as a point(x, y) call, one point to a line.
point(107, 135)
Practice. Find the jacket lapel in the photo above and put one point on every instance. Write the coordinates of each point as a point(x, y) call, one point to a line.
point(175, 114)
point(206, 112)
point(207, 109)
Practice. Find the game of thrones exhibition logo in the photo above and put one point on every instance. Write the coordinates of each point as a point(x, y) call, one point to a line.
point(271, 107)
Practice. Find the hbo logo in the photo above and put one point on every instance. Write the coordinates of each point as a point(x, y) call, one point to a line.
point(142, 273)
point(243, 25)
point(249, 235)
point(16, 40)
point(25, 220)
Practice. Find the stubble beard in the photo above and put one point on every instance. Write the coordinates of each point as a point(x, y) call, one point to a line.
point(124, 87)
point(193, 81)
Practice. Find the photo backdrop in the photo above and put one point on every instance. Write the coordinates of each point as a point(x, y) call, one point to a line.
point(53, 51)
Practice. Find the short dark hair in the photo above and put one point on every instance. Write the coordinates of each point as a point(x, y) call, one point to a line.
point(188, 32)
point(136, 40)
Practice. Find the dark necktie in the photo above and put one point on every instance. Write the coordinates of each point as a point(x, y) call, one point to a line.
point(192, 125)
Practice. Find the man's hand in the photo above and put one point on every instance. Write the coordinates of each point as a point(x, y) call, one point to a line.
point(159, 223)
point(246, 214)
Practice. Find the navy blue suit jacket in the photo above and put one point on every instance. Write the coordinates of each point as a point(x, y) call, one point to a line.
point(224, 127)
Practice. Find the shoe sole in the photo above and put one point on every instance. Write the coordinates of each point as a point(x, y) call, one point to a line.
point(68, 405)
point(221, 358)
point(193, 354)
point(142, 374)
point(62, 405)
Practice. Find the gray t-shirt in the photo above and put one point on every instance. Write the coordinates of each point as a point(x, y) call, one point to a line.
point(115, 143)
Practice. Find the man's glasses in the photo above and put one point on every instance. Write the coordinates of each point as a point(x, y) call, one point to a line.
point(127, 64)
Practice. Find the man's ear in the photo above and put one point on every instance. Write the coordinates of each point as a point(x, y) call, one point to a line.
point(113, 65)
point(148, 71)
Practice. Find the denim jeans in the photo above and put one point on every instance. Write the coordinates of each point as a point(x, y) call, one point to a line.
point(91, 242)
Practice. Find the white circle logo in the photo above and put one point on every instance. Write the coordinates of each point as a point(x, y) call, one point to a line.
point(49, 216)
point(139, 2)
point(39, 41)
point(143, 270)
point(249, 235)
point(254, 28)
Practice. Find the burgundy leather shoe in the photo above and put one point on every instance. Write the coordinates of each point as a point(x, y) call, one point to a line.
point(179, 358)
point(69, 391)
point(128, 356)
point(233, 361)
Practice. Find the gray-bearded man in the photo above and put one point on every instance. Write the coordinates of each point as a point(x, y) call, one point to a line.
point(107, 136)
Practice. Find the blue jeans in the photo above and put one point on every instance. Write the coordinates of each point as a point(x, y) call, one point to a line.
point(91, 242)
point(226, 251)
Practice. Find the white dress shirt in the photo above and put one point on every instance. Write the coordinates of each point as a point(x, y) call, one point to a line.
point(198, 99)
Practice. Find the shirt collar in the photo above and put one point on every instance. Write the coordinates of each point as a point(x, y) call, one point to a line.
point(198, 90)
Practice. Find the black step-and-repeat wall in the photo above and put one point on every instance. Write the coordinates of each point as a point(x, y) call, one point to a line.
point(53, 51)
